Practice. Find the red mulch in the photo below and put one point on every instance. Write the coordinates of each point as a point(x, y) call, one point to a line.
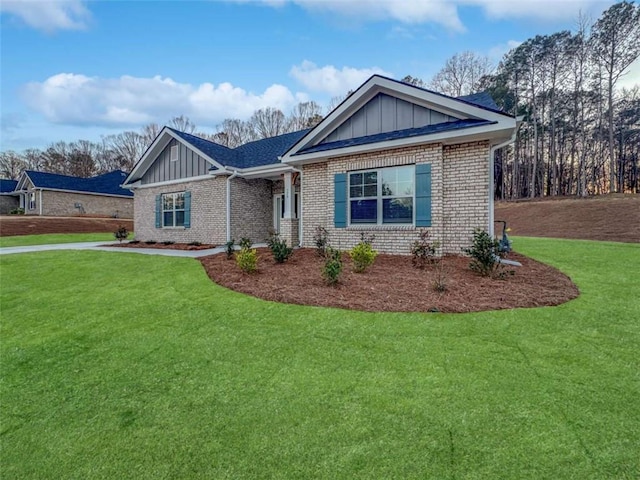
point(162, 246)
point(393, 285)
point(34, 225)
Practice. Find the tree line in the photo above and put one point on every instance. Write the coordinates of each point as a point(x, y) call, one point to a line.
point(579, 133)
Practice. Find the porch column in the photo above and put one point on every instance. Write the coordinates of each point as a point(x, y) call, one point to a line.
point(289, 222)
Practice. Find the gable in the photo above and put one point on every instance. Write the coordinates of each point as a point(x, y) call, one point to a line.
point(385, 113)
point(189, 164)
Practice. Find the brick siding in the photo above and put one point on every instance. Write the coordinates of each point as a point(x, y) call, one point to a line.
point(251, 209)
point(8, 203)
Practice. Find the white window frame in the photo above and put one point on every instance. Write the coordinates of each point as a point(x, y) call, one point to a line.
point(174, 150)
point(32, 200)
point(174, 209)
point(379, 199)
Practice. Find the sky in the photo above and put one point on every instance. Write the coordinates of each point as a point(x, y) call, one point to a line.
point(76, 69)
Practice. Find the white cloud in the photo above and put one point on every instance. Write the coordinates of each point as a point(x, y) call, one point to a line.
point(445, 12)
point(49, 15)
point(329, 79)
point(74, 99)
point(632, 77)
point(497, 52)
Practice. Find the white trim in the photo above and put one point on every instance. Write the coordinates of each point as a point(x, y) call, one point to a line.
point(377, 84)
point(40, 202)
point(136, 186)
point(80, 192)
point(471, 134)
point(174, 149)
point(229, 178)
point(492, 153)
point(159, 144)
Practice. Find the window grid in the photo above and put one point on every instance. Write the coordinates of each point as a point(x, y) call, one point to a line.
point(173, 209)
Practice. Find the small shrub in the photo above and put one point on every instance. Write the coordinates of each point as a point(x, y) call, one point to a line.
point(367, 238)
point(332, 267)
point(321, 240)
point(194, 244)
point(168, 242)
point(17, 211)
point(245, 243)
point(134, 242)
point(247, 260)
point(441, 278)
point(423, 251)
point(150, 242)
point(485, 254)
point(229, 248)
point(279, 248)
point(362, 255)
point(121, 233)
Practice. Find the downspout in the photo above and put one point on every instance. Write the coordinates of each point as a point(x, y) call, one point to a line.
point(40, 202)
point(233, 175)
point(492, 152)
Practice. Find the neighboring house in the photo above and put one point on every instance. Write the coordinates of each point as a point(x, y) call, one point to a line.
point(8, 199)
point(42, 193)
point(390, 160)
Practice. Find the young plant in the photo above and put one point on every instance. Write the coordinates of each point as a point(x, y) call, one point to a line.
point(247, 260)
point(332, 267)
point(229, 248)
point(362, 255)
point(321, 240)
point(121, 234)
point(441, 277)
point(245, 243)
point(485, 254)
point(281, 252)
point(423, 251)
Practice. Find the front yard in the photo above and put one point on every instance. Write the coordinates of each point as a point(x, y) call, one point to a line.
point(120, 365)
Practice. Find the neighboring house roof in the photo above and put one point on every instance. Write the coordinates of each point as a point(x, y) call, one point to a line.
point(481, 99)
point(7, 186)
point(406, 133)
point(106, 184)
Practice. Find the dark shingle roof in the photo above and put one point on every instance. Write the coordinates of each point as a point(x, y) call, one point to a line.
point(219, 153)
point(482, 99)
point(107, 184)
point(7, 186)
point(406, 133)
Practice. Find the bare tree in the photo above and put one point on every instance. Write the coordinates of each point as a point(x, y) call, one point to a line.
point(415, 81)
point(127, 148)
point(11, 165)
point(268, 122)
point(615, 40)
point(149, 133)
point(461, 74)
point(304, 115)
point(183, 124)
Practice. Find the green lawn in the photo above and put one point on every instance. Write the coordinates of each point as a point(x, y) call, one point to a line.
point(50, 238)
point(119, 365)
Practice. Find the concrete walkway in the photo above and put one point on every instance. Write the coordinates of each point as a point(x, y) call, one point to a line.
point(103, 246)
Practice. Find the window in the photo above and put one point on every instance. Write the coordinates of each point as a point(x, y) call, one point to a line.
point(32, 201)
point(173, 208)
point(382, 197)
point(174, 153)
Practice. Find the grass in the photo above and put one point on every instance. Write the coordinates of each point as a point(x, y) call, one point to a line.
point(128, 366)
point(50, 238)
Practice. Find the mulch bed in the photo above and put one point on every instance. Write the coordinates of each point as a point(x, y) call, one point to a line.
point(162, 246)
point(393, 285)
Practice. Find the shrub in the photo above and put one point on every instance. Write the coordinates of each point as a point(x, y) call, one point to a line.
point(229, 248)
point(423, 252)
point(121, 233)
point(332, 267)
point(485, 253)
point(150, 242)
point(168, 242)
point(441, 277)
point(247, 260)
point(362, 255)
point(195, 244)
point(367, 238)
point(321, 240)
point(245, 243)
point(17, 211)
point(281, 252)
point(134, 242)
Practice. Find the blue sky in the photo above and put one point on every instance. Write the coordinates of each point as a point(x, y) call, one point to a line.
point(72, 69)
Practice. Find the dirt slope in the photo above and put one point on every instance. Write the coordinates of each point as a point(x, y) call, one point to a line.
point(613, 218)
point(28, 225)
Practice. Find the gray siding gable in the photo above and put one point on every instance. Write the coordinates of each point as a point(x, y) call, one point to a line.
point(384, 113)
point(189, 164)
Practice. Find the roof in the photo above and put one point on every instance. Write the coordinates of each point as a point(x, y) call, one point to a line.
point(482, 99)
point(7, 186)
point(106, 184)
point(253, 154)
point(406, 133)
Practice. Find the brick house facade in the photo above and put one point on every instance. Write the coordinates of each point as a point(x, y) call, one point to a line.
point(391, 160)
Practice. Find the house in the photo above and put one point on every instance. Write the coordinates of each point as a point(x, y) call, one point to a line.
point(42, 193)
point(8, 199)
point(390, 160)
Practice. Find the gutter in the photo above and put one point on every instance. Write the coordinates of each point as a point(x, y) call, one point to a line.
point(300, 216)
point(492, 152)
point(233, 175)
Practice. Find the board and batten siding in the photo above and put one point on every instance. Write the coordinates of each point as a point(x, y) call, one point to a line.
point(384, 113)
point(189, 164)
